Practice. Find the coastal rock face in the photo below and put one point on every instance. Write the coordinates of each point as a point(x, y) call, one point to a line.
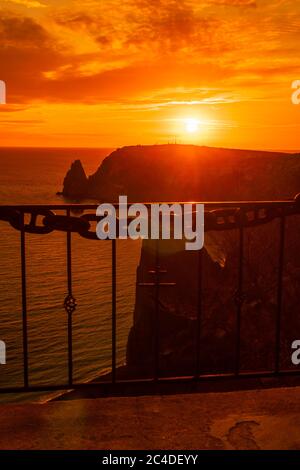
point(75, 183)
point(187, 172)
point(175, 320)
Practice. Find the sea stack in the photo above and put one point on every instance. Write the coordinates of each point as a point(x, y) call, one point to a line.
point(75, 182)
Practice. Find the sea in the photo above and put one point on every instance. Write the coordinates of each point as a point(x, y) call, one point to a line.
point(34, 176)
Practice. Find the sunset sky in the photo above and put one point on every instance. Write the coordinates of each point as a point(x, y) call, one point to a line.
point(109, 73)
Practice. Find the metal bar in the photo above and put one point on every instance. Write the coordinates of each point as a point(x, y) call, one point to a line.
point(24, 304)
point(156, 314)
point(70, 326)
point(239, 301)
point(212, 204)
point(114, 310)
point(279, 294)
point(174, 380)
point(199, 313)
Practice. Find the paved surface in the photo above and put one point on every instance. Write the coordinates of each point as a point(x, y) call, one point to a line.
point(261, 419)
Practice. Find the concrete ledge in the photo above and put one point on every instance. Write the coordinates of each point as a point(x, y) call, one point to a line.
point(257, 419)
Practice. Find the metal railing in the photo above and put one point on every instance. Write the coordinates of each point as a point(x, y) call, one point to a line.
point(219, 216)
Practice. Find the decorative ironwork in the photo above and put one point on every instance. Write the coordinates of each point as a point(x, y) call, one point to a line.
point(157, 271)
point(70, 304)
point(219, 216)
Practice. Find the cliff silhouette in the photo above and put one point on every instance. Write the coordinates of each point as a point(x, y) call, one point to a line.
point(187, 172)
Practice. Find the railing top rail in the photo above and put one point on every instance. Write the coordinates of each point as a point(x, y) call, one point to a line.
point(219, 215)
point(210, 204)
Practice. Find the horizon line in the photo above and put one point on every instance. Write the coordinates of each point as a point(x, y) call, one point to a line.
point(34, 147)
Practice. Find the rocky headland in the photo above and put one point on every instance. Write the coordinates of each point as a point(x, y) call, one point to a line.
point(184, 173)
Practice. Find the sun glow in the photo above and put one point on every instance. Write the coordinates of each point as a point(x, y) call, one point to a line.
point(191, 125)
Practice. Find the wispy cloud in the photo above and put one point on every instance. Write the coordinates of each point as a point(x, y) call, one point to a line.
point(27, 3)
point(234, 3)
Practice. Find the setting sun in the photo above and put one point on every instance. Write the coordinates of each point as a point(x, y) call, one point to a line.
point(191, 125)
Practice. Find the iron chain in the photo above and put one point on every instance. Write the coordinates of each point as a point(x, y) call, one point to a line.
point(44, 221)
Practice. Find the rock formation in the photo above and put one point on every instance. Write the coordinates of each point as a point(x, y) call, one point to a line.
point(75, 182)
point(187, 172)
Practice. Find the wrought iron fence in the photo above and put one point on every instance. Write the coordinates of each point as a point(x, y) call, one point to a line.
point(219, 216)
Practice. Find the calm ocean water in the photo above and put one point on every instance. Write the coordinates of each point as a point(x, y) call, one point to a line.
point(32, 176)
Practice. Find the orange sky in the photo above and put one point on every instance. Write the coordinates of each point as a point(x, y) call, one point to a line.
point(109, 73)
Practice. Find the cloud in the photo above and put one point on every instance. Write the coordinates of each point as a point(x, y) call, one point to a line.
point(21, 30)
point(11, 108)
point(27, 122)
point(234, 3)
point(27, 3)
point(27, 50)
point(105, 51)
point(187, 97)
